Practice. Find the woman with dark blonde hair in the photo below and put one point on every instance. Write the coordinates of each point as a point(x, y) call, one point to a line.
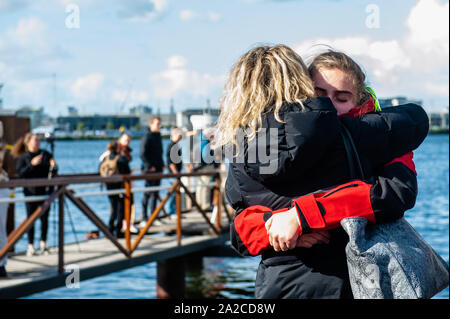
point(307, 189)
point(33, 162)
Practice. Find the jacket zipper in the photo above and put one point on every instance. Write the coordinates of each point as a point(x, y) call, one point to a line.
point(336, 190)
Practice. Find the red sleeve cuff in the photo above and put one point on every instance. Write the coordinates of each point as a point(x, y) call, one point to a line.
point(406, 160)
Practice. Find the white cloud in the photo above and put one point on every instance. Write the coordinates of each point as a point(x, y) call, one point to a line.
point(178, 79)
point(187, 15)
point(409, 64)
point(29, 32)
point(87, 86)
point(142, 10)
point(13, 5)
point(133, 96)
point(28, 56)
point(428, 23)
point(30, 41)
point(437, 88)
point(213, 16)
point(176, 62)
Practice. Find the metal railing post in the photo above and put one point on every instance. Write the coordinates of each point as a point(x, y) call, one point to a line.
point(127, 204)
point(218, 202)
point(61, 232)
point(178, 205)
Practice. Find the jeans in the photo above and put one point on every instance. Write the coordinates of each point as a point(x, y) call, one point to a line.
point(31, 208)
point(173, 204)
point(152, 196)
point(117, 214)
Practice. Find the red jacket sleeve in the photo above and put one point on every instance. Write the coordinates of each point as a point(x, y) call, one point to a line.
point(382, 199)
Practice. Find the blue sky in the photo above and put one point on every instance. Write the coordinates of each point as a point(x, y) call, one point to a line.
point(128, 52)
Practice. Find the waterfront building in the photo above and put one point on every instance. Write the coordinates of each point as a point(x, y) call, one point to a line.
point(72, 110)
point(397, 100)
point(439, 121)
point(35, 114)
point(144, 112)
point(184, 118)
point(97, 122)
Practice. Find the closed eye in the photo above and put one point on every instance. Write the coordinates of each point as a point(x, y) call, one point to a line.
point(320, 91)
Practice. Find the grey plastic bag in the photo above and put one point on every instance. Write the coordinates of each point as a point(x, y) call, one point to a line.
point(392, 261)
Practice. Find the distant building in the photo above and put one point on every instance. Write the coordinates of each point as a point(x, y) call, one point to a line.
point(6, 112)
point(439, 121)
point(35, 114)
point(97, 122)
point(144, 112)
point(397, 100)
point(183, 119)
point(168, 120)
point(141, 109)
point(72, 110)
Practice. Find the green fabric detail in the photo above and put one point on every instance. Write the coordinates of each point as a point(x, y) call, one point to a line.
point(375, 99)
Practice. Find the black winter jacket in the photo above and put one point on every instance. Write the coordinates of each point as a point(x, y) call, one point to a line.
point(311, 156)
point(151, 151)
point(26, 170)
point(123, 167)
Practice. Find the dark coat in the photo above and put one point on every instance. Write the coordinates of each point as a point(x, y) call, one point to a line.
point(151, 151)
point(123, 167)
point(311, 156)
point(24, 169)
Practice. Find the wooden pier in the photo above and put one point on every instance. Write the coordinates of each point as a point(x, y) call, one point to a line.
point(193, 232)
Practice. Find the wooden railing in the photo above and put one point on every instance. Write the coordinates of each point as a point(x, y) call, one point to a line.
point(62, 192)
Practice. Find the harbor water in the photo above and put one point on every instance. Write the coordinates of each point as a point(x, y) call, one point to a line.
point(229, 277)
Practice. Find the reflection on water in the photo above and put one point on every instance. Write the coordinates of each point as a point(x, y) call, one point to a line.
point(235, 280)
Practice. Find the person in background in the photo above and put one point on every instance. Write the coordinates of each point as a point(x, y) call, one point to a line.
point(4, 193)
point(174, 161)
point(151, 154)
point(119, 159)
point(33, 162)
point(123, 146)
point(208, 163)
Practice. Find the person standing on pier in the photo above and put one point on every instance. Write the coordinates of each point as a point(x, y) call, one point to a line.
point(151, 154)
point(34, 162)
point(174, 161)
point(208, 163)
point(122, 148)
point(118, 161)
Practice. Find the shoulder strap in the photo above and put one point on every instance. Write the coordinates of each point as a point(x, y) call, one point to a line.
point(354, 163)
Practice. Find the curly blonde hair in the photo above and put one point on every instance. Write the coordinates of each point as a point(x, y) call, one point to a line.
point(261, 81)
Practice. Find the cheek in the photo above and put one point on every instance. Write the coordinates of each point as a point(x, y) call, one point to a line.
point(343, 107)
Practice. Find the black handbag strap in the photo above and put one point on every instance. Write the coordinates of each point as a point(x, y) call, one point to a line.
point(354, 163)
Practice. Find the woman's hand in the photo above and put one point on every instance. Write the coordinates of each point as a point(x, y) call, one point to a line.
point(282, 229)
point(52, 163)
point(309, 240)
point(36, 160)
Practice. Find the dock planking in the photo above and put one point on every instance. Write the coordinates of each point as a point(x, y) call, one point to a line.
point(98, 257)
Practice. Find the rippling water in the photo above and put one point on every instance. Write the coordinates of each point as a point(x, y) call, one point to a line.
point(229, 277)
